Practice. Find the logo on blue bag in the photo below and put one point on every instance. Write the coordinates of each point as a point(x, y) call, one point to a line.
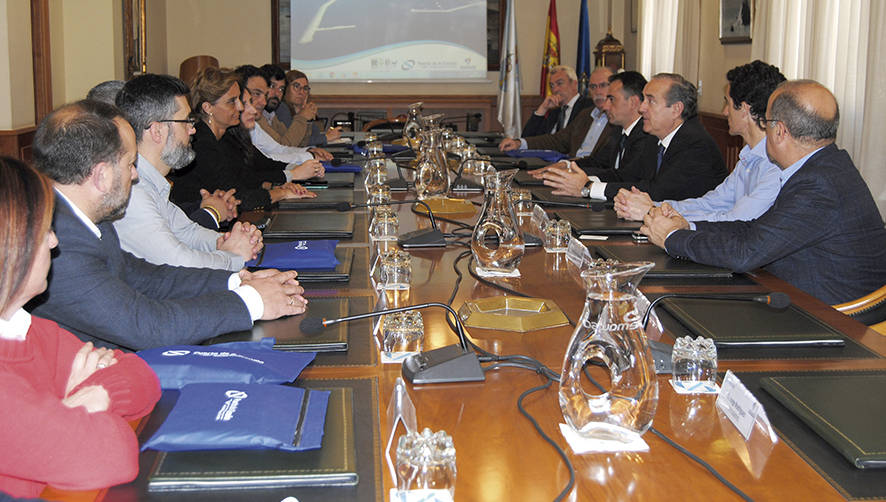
point(226, 413)
point(301, 245)
point(176, 352)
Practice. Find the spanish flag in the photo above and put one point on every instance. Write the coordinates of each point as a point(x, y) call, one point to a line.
point(551, 57)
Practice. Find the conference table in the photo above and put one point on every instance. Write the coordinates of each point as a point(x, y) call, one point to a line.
point(500, 456)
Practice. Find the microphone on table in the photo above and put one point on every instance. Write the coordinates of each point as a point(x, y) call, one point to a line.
point(593, 205)
point(452, 363)
point(776, 300)
point(421, 238)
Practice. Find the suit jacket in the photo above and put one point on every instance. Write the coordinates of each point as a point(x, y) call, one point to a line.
point(103, 294)
point(823, 233)
point(220, 164)
point(632, 167)
point(692, 165)
point(542, 124)
point(569, 139)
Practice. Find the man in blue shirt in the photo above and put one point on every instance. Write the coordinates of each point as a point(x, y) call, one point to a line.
point(754, 183)
point(823, 233)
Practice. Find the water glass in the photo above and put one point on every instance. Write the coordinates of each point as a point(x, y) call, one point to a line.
point(426, 460)
point(557, 235)
point(385, 225)
point(694, 360)
point(396, 270)
point(403, 332)
point(522, 200)
point(375, 149)
point(378, 194)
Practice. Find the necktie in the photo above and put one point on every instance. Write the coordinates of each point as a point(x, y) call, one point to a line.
point(661, 150)
point(621, 149)
point(561, 120)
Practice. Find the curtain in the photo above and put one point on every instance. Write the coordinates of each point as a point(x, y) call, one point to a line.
point(670, 33)
point(835, 42)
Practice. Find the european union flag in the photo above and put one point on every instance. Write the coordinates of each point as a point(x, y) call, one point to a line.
point(583, 64)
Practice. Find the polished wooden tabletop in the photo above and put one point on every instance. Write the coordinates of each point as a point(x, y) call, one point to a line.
point(500, 456)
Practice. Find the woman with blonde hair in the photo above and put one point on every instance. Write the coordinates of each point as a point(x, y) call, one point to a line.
point(220, 162)
point(66, 404)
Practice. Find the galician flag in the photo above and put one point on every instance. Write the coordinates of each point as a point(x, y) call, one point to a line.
point(551, 56)
point(509, 78)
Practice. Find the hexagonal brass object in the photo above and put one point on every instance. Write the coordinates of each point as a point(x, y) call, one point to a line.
point(511, 313)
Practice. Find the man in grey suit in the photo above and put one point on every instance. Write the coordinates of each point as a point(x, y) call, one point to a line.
point(103, 294)
point(823, 234)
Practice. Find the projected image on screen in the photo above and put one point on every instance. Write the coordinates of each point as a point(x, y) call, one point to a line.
point(389, 39)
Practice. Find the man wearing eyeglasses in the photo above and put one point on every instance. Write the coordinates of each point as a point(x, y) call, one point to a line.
point(296, 123)
point(585, 135)
point(560, 106)
point(823, 234)
point(157, 108)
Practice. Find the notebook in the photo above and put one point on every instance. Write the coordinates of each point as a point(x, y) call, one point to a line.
point(734, 323)
point(310, 226)
point(598, 222)
point(334, 464)
point(325, 199)
point(665, 266)
point(846, 410)
point(287, 330)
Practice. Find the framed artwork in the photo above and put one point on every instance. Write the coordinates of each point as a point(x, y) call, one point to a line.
point(736, 19)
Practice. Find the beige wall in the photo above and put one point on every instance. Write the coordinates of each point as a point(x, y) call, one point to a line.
point(715, 59)
point(86, 45)
point(234, 31)
point(212, 27)
point(16, 69)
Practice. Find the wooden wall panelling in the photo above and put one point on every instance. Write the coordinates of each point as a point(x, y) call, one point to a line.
point(718, 128)
point(17, 143)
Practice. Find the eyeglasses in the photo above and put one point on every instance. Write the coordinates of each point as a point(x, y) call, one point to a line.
point(298, 87)
point(766, 122)
point(189, 120)
point(598, 86)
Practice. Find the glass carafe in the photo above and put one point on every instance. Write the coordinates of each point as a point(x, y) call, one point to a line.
point(497, 242)
point(431, 173)
point(610, 331)
point(412, 128)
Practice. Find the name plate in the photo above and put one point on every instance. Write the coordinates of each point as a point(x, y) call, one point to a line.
point(741, 407)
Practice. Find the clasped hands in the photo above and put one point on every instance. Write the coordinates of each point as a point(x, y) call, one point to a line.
point(223, 202)
point(660, 222)
point(279, 291)
point(244, 239)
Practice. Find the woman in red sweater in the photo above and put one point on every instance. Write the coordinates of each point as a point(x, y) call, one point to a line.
point(65, 404)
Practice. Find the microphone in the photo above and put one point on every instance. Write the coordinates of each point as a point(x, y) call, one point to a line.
point(776, 300)
point(452, 363)
point(421, 238)
point(596, 206)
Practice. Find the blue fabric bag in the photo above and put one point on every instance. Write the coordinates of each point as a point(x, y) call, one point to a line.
point(386, 148)
point(229, 363)
point(545, 155)
point(343, 168)
point(297, 255)
point(213, 416)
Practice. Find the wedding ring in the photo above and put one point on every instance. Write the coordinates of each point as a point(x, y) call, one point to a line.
point(102, 366)
point(291, 301)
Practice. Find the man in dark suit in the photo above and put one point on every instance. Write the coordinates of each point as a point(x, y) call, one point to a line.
point(623, 160)
point(587, 133)
point(684, 163)
point(103, 294)
point(560, 107)
point(823, 234)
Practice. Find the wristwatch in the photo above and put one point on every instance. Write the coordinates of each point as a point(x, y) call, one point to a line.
point(586, 190)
